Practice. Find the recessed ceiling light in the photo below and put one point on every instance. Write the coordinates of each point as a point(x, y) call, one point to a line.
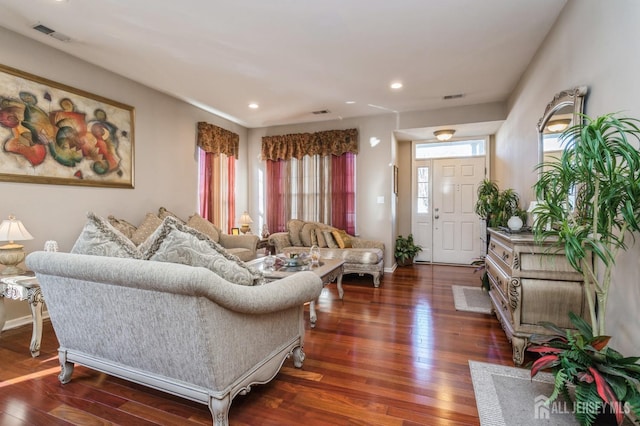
point(396, 85)
point(254, 105)
point(350, 102)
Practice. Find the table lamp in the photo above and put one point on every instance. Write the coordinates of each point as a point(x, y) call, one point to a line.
point(12, 254)
point(245, 220)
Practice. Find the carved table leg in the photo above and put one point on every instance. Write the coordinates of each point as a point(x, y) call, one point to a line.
point(36, 302)
point(339, 285)
point(312, 313)
point(519, 344)
point(3, 317)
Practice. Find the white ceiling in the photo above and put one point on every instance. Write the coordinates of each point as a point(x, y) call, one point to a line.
point(293, 57)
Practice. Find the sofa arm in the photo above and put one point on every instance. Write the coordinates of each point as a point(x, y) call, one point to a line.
point(280, 240)
point(363, 243)
point(240, 241)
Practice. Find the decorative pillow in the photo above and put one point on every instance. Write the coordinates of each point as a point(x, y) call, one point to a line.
point(294, 226)
point(305, 234)
point(99, 238)
point(201, 224)
point(150, 223)
point(328, 237)
point(122, 225)
point(177, 243)
point(162, 213)
point(342, 238)
point(322, 243)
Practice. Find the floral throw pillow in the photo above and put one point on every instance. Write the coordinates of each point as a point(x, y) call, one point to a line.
point(100, 238)
point(177, 243)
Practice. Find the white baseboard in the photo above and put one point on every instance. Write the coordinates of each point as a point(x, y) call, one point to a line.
point(19, 322)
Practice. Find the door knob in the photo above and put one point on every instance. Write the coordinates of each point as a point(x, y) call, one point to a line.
point(437, 214)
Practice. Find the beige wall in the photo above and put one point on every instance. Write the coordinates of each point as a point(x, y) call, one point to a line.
point(165, 155)
point(373, 170)
point(594, 43)
point(374, 164)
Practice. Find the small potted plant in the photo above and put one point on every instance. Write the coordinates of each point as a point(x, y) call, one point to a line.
point(406, 250)
point(588, 203)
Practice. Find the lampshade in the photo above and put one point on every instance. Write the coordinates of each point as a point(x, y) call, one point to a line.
point(555, 126)
point(13, 230)
point(11, 254)
point(444, 135)
point(245, 220)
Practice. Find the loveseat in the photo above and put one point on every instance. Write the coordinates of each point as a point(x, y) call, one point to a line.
point(242, 246)
point(177, 328)
point(361, 256)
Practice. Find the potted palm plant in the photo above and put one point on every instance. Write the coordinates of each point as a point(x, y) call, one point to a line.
point(497, 207)
point(589, 203)
point(406, 250)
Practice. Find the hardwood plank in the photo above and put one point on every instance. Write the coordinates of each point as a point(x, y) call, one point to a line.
point(395, 355)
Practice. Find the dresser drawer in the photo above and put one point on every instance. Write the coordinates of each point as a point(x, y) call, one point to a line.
point(496, 275)
point(501, 253)
point(500, 303)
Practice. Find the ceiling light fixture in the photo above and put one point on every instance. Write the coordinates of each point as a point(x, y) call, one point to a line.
point(350, 102)
point(556, 126)
point(444, 135)
point(397, 85)
point(254, 105)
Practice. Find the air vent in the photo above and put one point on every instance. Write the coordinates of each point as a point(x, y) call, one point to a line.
point(48, 31)
point(457, 96)
point(322, 111)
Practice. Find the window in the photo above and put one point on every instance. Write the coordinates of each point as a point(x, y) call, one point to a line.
point(468, 148)
point(315, 188)
point(217, 189)
point(423, 190)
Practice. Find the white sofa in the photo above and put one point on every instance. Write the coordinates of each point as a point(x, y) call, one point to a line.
point(173, 327)
point(362, 257)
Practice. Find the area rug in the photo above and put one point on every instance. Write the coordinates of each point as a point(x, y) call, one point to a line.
point(471, 299)
point(507, 396)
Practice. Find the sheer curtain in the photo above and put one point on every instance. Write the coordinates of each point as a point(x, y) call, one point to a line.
point(311, 176)
point(317, 188)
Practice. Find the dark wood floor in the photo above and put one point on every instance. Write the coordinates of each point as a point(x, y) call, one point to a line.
point(396, 355)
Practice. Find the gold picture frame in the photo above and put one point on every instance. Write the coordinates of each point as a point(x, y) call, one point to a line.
point(235, 231)
point(55, 134)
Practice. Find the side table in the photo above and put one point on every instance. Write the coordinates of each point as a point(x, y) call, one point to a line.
point(268, 248)
point(24, 287)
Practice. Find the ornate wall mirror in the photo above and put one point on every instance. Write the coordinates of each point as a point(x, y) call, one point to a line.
point(562, 112)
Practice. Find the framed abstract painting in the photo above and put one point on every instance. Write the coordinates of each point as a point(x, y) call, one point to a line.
point(54, 134)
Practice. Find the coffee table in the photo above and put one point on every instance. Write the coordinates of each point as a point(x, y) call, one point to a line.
point(328, 270)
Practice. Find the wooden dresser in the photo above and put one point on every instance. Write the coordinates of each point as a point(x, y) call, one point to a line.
point(530, 283)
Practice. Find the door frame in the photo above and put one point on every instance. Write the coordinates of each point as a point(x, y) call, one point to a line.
point(489, 140)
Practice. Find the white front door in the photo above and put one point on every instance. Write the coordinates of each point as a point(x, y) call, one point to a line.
point(456, 227)
point(421, 226)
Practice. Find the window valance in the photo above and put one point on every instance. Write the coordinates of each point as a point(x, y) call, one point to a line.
point(297, 145)
point(217, 140)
